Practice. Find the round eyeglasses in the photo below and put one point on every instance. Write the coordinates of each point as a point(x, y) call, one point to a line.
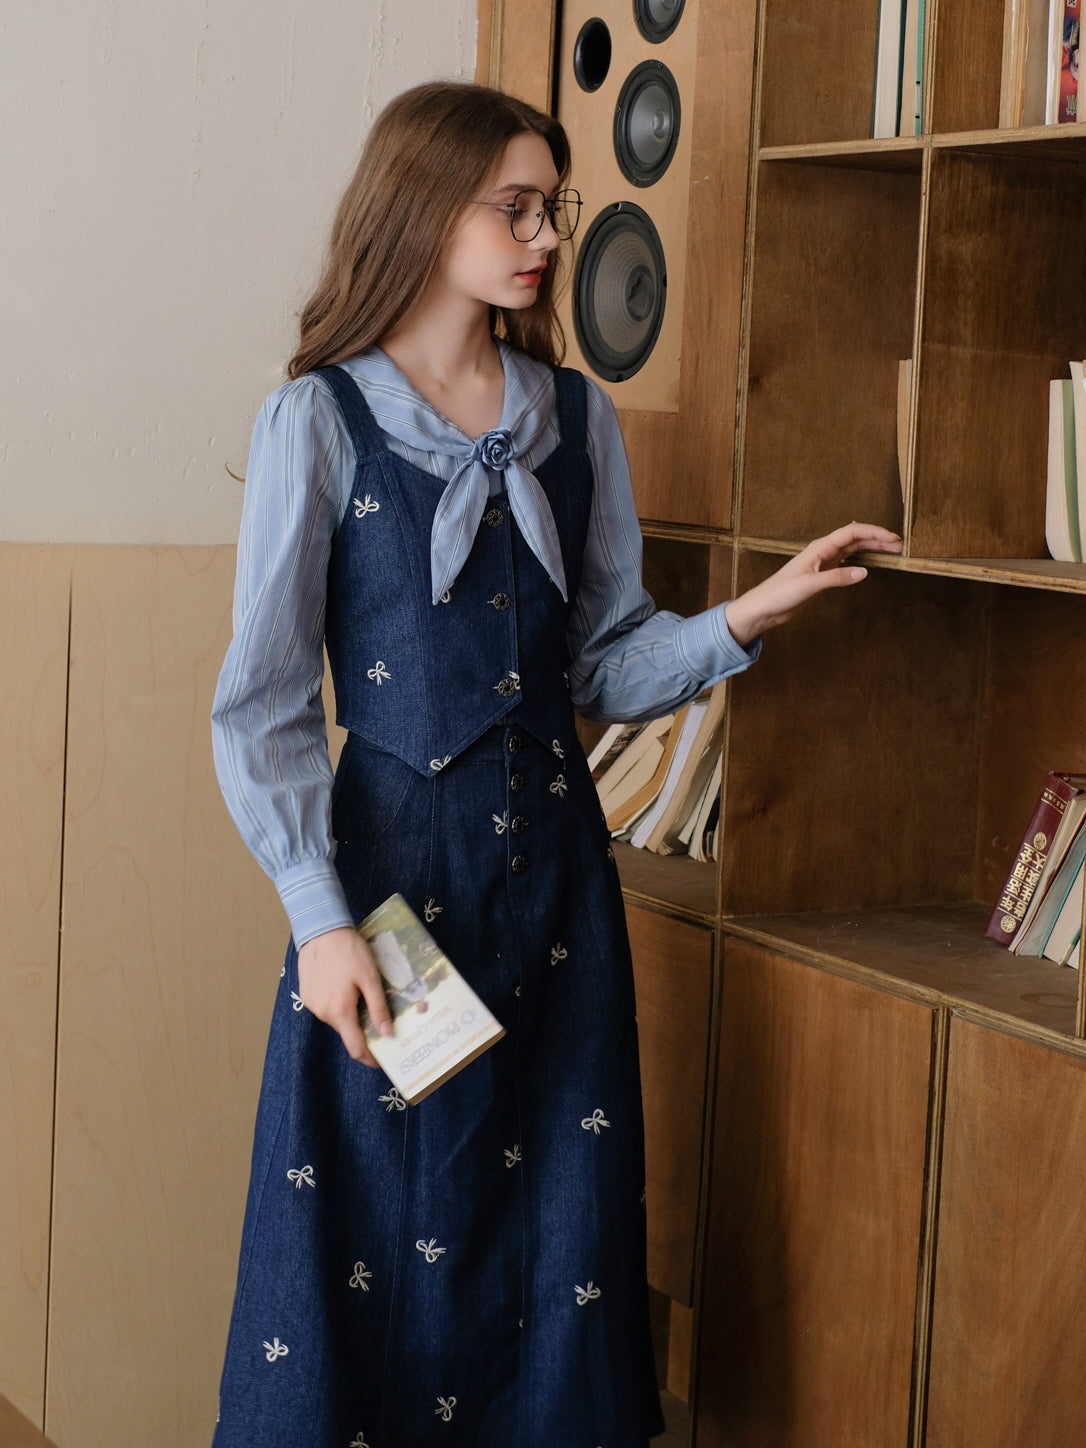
point(527, 209)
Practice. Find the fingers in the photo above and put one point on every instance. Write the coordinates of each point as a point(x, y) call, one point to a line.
point(870, 535)
point(336, 972)
point(353, 1036)
point(858, 538)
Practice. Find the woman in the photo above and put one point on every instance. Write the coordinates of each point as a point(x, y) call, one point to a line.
point(450, 516)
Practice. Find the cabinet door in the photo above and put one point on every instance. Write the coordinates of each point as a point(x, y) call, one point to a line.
point(1008, 1327)
point(673, 965)
point(817, 1188)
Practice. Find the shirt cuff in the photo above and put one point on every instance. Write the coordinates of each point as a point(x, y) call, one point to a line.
point(705, 646)
point(313, 898)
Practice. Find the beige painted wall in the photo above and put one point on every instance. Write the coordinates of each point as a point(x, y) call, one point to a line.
point(169, 176)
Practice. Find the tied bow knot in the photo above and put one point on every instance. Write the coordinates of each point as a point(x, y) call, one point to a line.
point(460, 509)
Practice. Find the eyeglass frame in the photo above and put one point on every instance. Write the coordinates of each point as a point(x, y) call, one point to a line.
point(569, 197)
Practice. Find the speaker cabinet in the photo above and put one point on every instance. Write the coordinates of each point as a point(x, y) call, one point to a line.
point(656, 97)
point(620, 99)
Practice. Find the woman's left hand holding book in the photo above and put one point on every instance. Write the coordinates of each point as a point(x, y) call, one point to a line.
point(334, 970)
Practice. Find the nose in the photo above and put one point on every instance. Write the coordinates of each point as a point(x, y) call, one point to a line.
point(546, 239)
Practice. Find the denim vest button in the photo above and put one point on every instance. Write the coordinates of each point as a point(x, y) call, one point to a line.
point(501, 602)
point(515, 744)
point(505, 687)
point(517, 782)
point(518, 864)
point(518, 824)
point(493, 517)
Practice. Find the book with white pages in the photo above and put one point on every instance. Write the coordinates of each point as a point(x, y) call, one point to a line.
point(687, 734)
point(1063, 524)
point(1032, 938)
point(1067, 929)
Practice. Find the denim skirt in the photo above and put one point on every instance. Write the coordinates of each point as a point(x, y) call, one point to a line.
point(469, 1270)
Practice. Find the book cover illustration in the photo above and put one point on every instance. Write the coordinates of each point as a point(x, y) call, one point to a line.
point(439, 1023)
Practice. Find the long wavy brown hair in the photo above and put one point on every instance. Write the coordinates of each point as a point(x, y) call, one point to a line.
point(430, 151)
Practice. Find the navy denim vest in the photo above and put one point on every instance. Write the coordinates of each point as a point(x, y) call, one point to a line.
point(421, 680)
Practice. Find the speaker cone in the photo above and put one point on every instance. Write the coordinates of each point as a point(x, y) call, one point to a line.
point(619, 291)
point(646, 129)
point(592, 55)
point(656, 19)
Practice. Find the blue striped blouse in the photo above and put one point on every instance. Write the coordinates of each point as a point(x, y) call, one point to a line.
point(629, 660)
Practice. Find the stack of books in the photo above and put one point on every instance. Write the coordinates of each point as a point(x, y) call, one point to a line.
point(1040, 909)
point(1039, 84)
point(1065, 505)
point(659, 782)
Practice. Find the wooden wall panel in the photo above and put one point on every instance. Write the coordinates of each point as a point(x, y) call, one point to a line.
point(813, 1240)
point(34, 668)
point(1010, 1281)
point(515, 48)
point(16, 1430)
point(673, 969)
point(171, 953)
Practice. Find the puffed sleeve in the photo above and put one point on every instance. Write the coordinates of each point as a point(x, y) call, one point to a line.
point(630, 660)
point(268, 726)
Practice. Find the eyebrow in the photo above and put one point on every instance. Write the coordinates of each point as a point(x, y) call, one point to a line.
point(514, 188)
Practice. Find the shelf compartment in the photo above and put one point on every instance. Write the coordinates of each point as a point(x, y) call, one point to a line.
point(685, 576)
point(965, 60)
point(1002, 314)
point(851, 775)
point(1033, 706)
point(818, 78)
point(832, 308)
point(937, 952)
point(886, 755)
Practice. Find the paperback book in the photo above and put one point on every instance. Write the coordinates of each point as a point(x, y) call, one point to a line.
point(1065, 497)
point(439, 1023)
point(658, 783)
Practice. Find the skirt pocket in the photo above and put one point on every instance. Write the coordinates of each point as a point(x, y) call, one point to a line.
point(380, 820)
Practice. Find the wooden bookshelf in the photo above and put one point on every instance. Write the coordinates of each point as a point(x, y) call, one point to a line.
point(882, 760)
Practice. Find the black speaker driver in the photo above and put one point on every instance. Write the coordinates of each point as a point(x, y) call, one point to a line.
point(646, 129)
point(656, 19)
point(619, 291)
point(592, 55)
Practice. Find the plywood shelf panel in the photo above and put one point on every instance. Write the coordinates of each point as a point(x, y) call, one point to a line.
point(672, 884)
point(937, 952)
point(1046, 574)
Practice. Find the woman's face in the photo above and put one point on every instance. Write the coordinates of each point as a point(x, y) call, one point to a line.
point(482, 262)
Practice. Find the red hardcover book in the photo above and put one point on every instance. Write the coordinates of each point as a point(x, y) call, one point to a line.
point(1034, 854)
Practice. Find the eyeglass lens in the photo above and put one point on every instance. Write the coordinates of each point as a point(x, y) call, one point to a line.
point(530, 207)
